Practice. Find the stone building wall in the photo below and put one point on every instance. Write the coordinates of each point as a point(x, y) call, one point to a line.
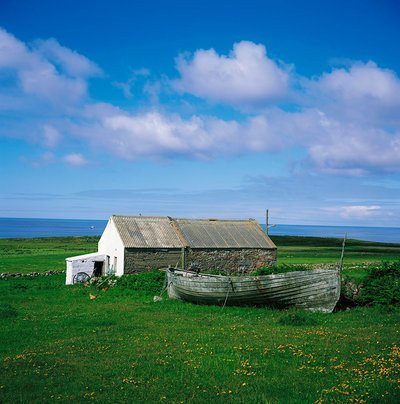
point(229, 261)
point(142, 260)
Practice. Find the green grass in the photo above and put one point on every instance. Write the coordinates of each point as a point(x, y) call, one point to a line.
point(359, 257)
point(42, 254)
point(309, 250)
point(57, 344)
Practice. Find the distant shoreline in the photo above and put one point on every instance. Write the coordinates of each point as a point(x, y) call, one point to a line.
point(32, 228)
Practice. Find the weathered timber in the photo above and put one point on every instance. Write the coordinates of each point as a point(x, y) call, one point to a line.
point(314, 290)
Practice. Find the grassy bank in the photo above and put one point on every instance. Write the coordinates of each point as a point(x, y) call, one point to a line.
point(58, 344)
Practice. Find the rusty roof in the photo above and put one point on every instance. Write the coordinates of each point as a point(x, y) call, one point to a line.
point(166, 232)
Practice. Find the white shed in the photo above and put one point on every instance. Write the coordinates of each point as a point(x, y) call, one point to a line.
point(87, 264)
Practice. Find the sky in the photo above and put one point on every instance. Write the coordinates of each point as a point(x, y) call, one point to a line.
point(201, 109)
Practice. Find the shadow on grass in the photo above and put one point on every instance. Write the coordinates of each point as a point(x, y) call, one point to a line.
point(7, 311)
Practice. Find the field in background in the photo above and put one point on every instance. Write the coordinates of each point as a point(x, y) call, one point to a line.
point(309, 250)
point(43, 254)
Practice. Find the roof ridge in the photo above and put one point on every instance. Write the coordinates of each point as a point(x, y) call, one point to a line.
point(186, 218)
point(140, 217)
point(217, 220)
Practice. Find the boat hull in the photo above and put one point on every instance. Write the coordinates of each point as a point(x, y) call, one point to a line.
point(314, 290)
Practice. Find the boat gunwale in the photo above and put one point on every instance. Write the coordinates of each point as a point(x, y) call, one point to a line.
point(249, 278)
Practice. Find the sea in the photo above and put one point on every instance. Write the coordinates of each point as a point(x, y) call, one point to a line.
point(28, 228)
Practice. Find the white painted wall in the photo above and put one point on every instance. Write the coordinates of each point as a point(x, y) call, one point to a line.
point(111, 244)
point(81, 263)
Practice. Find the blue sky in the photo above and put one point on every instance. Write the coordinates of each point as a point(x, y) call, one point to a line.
point(201, 109)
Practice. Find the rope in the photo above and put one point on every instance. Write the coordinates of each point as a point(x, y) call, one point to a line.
point(227, 293)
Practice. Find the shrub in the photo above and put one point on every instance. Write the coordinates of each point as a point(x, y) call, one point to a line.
point(145, 281)
point(103, 281)
point(297, 318)
point(382, 285)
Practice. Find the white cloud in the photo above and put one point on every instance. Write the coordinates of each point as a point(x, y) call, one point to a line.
point(48, 72)
point(44, 82)
point(69, 61)
point(338, 146)
point(332, 146)
point(348, 149)
point(356, 211)
point(246, 76)
point(345, 121)
point(362, 82)
point(155, 134)
point(75, 159)
point(363, 93)
point(51, 136)
point(13, 52)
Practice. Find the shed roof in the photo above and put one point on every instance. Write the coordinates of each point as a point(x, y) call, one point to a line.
point(166, 232)
point(96, 257)
point(148, 232)
point(211, 233)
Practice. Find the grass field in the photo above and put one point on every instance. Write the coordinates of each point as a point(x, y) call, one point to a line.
point(300, 250)
point(58, 344)
point(42, 254)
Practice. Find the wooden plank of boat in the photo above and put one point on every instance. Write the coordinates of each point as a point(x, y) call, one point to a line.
point(315, 290)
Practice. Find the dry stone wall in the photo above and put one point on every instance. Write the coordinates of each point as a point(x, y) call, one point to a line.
point(229, 261)
point(6, 275)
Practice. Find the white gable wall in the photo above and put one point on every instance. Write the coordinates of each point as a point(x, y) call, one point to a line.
point(110, 244)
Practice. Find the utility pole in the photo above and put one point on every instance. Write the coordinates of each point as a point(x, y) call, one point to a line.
point(342, 255)
point(266, 222)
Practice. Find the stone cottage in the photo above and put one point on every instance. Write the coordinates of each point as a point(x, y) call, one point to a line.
point(131, 244)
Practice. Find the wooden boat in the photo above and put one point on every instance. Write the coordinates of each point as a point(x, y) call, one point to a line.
point(314, 290)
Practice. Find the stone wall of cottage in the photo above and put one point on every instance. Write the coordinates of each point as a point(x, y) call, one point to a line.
point(142, 260)
point(229, 261)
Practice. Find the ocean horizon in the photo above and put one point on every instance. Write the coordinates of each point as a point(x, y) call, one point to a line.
point(32, 227)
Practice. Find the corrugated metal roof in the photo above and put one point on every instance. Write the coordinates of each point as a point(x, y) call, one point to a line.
point(201, 233)
point(148, 232)
point(165, 232)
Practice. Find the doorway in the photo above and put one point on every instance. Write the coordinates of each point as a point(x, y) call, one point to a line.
point(98, 269)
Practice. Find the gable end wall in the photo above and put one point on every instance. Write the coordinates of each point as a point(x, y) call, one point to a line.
point(110, 244)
